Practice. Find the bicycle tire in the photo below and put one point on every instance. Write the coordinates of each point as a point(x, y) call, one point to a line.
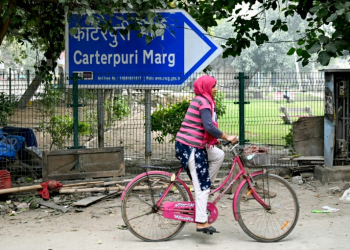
point(268, 225)
point(139, 212)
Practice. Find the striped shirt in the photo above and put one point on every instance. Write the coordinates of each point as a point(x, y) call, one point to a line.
point(192, 131)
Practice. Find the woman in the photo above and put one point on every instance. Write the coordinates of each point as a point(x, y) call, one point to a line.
point(195, 146)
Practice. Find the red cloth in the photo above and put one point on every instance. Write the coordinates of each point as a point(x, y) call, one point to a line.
point(203, 86)
point(44, 192)
point(52, 185)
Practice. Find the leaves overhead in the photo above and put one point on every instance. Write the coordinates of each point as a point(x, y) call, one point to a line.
point(41, 22)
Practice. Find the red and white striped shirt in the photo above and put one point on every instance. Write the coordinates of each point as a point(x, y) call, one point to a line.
point(192, 131)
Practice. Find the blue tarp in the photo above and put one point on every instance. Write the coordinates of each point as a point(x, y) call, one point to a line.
point(27, 133)
point(10, 145)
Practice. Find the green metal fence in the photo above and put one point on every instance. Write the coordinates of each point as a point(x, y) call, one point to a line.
point(48, 114)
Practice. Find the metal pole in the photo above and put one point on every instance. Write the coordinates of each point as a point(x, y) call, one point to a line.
point(75, 107)
point(10, 81)
point(148, 148)
point(28, 78)
point(241, 109)
point(100, 118)
point(241, 103)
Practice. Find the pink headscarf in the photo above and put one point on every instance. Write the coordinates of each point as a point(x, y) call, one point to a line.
point(203, 86)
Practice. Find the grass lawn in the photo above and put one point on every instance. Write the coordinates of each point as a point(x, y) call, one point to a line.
point(262, 121)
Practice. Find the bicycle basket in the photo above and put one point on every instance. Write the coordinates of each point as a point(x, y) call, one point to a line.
point(255, 156)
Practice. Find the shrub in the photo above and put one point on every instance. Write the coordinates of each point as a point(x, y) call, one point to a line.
point(61, 128)
point(168, 120)
point(7, 107)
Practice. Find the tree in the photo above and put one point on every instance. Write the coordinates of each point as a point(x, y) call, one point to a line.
point(327, 34)
point(271, 56)
point(41, 22)
point(326, 43)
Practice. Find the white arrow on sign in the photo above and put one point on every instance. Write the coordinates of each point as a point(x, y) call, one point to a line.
point(195, 48)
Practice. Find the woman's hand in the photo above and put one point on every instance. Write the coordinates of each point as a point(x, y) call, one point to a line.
point(232, 138)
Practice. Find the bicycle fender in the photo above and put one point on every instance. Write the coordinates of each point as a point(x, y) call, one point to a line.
point(161, 173)
point(235, 198)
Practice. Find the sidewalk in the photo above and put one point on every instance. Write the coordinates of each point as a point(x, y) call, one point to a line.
point(96, 227)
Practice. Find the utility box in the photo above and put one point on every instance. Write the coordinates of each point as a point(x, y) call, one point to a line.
point(336, 117)
point(83, 163)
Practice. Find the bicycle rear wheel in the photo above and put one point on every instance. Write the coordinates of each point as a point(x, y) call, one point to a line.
point(140, 213)
point(268, 225)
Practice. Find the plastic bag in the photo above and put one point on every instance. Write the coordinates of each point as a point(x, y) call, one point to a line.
point(346, 195)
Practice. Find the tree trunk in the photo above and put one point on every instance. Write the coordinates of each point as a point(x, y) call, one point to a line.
point(33, 86)
point(28, 94)
point(12, 4)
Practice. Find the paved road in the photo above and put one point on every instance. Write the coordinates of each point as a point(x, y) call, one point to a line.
point(96, 227)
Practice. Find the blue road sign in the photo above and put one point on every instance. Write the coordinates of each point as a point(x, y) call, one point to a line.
point(124, 60)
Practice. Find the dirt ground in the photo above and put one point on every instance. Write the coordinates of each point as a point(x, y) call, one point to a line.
point(99, 226)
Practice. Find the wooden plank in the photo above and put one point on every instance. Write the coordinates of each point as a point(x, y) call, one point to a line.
point(70, 176)
point(20, 189)
point(302, 158)
point(83, 184)
point(51, 205)
point(85, 151)
point(89, 200)
point(83, 163)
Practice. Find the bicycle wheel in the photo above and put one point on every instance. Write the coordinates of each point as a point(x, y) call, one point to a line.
point(268, 225)
point(141, 214)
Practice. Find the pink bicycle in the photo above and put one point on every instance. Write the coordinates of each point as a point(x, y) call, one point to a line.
point(157, 204)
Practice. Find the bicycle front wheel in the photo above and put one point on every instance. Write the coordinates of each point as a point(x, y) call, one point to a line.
point(273, 223)
point(141, 214)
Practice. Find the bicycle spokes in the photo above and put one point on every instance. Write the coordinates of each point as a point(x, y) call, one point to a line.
point(272, 211)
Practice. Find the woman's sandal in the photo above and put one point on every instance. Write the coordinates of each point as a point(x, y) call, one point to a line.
point(207, 230)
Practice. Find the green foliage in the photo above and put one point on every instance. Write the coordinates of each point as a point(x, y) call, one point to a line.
point(220, 107)
point(7, 107)
point(90, 117)
point(41, 23)
point(144, 19)
point(48, 100)
point(85, 95)
point(61, 128)
point(116, 110)
point(168, 120)
point(289, 139)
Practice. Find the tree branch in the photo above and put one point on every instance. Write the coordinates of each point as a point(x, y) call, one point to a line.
point(5, 23)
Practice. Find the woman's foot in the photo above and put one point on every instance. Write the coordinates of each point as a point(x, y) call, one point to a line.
point(206, 228)
point(203, 225)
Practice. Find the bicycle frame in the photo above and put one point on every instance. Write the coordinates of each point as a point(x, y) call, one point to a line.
point(168, 188)
point(236, 160)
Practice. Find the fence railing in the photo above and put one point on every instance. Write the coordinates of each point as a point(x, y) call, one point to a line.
point(49, 120)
